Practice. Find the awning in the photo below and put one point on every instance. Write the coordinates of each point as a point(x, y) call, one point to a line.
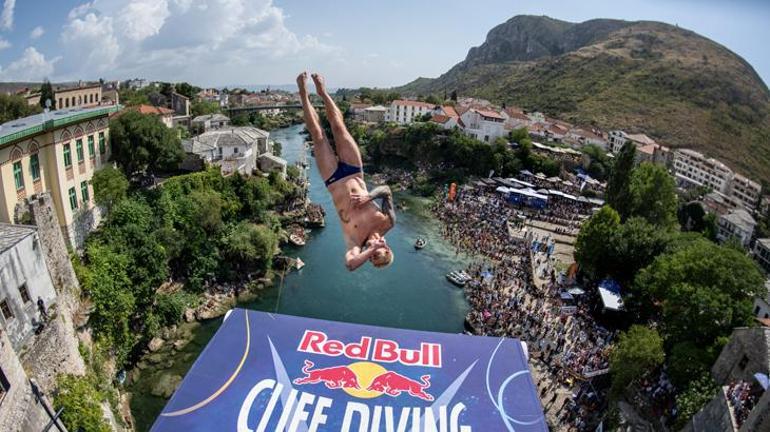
point(609, 291)
point(576, 291)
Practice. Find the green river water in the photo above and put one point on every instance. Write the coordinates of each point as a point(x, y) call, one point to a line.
point(412, 293)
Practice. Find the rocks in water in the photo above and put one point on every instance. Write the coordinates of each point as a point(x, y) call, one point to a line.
point(166, 385)
point(189, 315)
point(181, 343)
point(155, 344)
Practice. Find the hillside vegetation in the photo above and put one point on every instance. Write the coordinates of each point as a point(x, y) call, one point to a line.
point(670, 83)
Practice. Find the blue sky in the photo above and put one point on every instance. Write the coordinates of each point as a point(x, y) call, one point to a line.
point(354, 42)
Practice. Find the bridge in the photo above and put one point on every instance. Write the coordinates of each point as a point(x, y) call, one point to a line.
point(255, 108)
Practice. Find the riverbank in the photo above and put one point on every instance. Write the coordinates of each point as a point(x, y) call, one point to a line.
point(412, 293)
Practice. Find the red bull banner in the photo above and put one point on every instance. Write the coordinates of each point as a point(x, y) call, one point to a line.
point(267, 372)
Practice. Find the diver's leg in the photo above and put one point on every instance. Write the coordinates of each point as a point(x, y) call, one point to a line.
point(324, 155)
point(346, 146)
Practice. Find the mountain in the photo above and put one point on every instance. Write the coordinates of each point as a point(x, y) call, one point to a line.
point(640, 76)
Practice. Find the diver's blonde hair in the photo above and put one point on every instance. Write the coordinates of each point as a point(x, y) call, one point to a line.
point(382, 258)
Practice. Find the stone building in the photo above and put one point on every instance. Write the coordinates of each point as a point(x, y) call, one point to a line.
point(205, 123)
point(55, 152)
point(80, 96)
point(234, 149)
point(745, 355)
point(24, 281)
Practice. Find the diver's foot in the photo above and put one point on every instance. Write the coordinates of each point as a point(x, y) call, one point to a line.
point(320, 83)
point(302, 82)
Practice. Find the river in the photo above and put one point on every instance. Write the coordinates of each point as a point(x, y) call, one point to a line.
point(412, 293)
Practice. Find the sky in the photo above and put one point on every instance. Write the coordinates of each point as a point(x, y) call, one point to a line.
point(353, 42)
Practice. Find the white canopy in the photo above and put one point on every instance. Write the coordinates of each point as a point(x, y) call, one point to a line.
point(610, 300)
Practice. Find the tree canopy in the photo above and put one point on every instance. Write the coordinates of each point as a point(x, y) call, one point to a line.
point(13, 107)
point(142, 143)
point(591, 248)
point(618, 184)
point(110, 186)
point(652, 194)
point(638, 351)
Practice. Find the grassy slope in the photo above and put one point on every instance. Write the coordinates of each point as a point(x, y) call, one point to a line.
point(670, 83)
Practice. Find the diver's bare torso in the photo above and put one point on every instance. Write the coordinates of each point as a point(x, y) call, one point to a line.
point(357, 221)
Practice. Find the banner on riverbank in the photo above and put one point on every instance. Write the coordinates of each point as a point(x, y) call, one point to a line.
point(268, 372)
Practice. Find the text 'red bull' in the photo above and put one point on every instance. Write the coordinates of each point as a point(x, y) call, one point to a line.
point(381, 350)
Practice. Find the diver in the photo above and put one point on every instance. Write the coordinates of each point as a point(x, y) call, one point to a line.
point(364, 223)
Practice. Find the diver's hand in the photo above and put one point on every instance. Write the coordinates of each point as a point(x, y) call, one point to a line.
point(380, 243)
point(359, 199)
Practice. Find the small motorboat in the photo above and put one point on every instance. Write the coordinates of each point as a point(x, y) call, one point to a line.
point(420, 243)
point(296, 239)
point(456, 279)
point(299, 264)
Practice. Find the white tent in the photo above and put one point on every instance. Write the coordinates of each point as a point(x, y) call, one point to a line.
point(611, 300)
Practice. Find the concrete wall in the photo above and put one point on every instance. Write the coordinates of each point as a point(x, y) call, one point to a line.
point(24, 264)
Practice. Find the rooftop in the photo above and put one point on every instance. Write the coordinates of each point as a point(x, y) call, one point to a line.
point(150, 109)
point(233, 136)
point(742, 219)
point(210, 117)
point(12, 234)
point(405, 102)
point(21, 128)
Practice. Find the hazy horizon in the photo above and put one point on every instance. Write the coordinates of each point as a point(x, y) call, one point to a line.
point(353, 43)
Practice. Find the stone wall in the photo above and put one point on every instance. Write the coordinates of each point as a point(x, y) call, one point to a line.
point(19, 409)
point(714, 417)
point(745, 354)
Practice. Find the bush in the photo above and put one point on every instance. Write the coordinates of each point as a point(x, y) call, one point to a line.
point(81, 402)
point(638, 351)
point(699, 392)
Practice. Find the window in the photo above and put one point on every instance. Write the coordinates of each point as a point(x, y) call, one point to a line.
point(91, 152)
point(235, 150)
point(102, 148)
point(67, 156)
point(67, 102)
point(18, 177)
point(5, 308)
point(91, 98)
point(73, 199)
point(24, 293)
point(744, 361)
point(73, 100)
point(34, 166)
point(4, 385)
point(79, 149)
point(84, 191)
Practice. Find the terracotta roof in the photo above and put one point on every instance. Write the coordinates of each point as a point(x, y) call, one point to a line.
point(404, 102)
point(149, 109)
point(450, 111)
point(461, 110)
point(641, 138)
point(438, 118)
point(359, 105)
point(586, 134)
point(490, 114)
point(647, 149)
point(516, 115)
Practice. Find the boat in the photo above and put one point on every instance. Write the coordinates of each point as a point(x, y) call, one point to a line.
point(456, 278)
point(299, 263)
point(296, 239)
point(420, 243)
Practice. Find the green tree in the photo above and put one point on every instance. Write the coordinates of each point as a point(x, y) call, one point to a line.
point(704, 291)
point(653, 195)
point(46, 93)
point(110, 186)
point(618, 183)
point(249, 247)
point(696, 396)
point(203, 107)
point(632, 247)
point(142, 143)
point(81, 402)
point(186, 89)
point(13, 107)
point(591, 251)
point(241, 119)
point(638, 351)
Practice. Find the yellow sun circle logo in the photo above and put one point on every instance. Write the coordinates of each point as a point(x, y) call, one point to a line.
point(365, 372)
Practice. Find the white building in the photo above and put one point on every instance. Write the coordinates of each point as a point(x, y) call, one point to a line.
point(208, 122)
point(737, 224)
point(405, 111)
point(762, 253)
point(24, 279)
point(694, 169)
point(484, 125)
point(375, 114)
point(762, 303)
point(235, 149)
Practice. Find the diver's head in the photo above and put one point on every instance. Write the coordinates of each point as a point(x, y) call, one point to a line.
point(383, 256)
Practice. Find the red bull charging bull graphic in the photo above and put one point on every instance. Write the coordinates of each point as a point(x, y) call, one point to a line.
point(268, 372)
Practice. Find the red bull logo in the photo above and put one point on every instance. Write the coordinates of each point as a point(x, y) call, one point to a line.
point(333, 377)
point(365, 380)
point(379, 350)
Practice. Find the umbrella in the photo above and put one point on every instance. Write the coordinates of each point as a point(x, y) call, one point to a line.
point(576, 291)
point(762, 379)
